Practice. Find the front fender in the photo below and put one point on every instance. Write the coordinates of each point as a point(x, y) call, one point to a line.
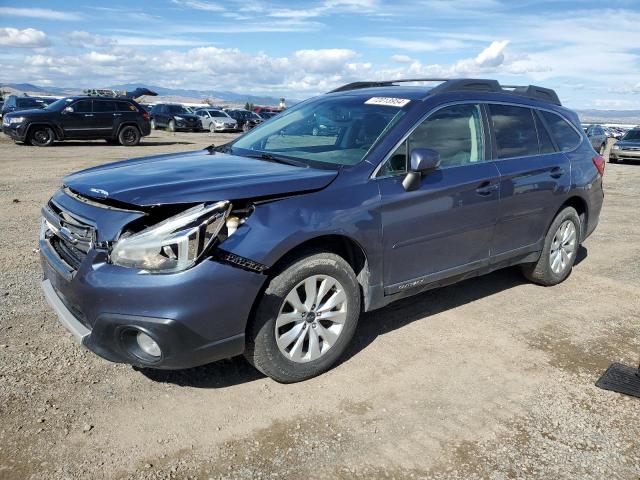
point(277, 227)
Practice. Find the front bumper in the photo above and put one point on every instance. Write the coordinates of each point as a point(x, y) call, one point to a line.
point(625, 154)
point(196, 316)
point(17, 132)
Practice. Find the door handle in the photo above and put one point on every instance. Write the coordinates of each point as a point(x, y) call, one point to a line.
point(88, 114)
point(117, 114)
point(556, 172)
point(486, 188)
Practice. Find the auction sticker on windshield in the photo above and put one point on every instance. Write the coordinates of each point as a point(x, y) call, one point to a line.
point(388, 101)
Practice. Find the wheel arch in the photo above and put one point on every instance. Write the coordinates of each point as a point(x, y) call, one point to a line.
point(342, 245)
point(56, 130)
point(580, 205)
point(128, 124)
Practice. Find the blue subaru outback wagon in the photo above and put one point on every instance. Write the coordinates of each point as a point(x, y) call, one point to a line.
point(273, 244)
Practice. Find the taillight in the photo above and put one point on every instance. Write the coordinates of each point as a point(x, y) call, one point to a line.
point(146, 115)
point(598, 161)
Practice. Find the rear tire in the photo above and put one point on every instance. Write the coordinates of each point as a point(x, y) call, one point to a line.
point(40, 136)
point(294, 343)
point(559, 252)
point(129, 136)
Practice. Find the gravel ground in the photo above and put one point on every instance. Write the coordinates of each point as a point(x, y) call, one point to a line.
point(492, 378)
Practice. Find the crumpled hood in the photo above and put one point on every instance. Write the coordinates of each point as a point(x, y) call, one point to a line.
point(194, 177)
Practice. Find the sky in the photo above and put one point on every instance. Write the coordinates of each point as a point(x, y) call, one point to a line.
point(589, 51)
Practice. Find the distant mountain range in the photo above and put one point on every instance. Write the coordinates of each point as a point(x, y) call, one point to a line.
point(628, 117)
point(176, 94)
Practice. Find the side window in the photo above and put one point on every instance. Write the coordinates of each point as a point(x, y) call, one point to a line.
point(546, 145)
point(455, 132)
point(82, 106)
point(103, 106)
point(125, 107)
point(514, 130)
point(565, 136)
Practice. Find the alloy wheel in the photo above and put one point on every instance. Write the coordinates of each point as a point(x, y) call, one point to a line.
point(40, 137)
point(311, 318)
point(563, 247)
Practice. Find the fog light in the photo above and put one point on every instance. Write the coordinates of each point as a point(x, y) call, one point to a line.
point(148, 344)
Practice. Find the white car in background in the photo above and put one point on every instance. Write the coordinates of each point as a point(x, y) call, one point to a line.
point(216, 120)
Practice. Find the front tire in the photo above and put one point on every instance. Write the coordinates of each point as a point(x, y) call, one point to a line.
point(41, 137)
point(153, 124)
point(129, 136)
point(172, 126)
point(212, 128)
point(603, 147)
point(305, 319)
point(559, 252)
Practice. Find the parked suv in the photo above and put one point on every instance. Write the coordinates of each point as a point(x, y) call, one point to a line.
point(79, 118)
point(15, 103)
point(216, 120)
point(627, 148)
point(598, 138)
point(245, 119)
point(272, 245)
point(174, 117)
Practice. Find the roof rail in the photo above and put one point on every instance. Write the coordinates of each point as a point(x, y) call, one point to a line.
point(384, 83)
point(465, 85)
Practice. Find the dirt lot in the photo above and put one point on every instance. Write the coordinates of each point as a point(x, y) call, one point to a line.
point(490, 378)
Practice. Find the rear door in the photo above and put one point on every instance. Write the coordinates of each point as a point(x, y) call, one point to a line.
point(445, 226)
point(534, 179)
point(103, 116)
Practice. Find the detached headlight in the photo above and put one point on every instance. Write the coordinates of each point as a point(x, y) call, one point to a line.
point(174, 244)
point(616, 147)
point(13, 120)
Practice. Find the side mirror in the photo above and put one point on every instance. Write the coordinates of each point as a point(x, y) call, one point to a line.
point(422, 161)
point(68, 110)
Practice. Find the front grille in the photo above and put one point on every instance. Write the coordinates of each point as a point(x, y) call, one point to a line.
point(67, 234)
point(71, 255)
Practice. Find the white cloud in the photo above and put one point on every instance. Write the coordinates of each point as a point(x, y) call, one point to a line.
point(81, 38)
point(327, 60)
point(44, 13)
point(27, 38)
point(401, 59)
point(200, 5)
point(493, 55)
point(412, 45)
point(157, 41)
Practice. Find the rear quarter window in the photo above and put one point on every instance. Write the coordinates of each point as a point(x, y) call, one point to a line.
point(564, 134)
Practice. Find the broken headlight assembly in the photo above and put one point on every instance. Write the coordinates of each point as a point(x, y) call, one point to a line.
point(176, 243)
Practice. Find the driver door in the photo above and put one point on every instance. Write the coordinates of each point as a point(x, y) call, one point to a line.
point(80, 122)
point(445, 226)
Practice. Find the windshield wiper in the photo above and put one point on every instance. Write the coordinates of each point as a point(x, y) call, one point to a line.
point(272, 158)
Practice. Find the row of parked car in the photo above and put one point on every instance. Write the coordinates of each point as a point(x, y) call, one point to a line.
point(176, 117)
point(40, 121)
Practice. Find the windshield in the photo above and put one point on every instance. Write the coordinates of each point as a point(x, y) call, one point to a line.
point(632, 135)
point(177, 109)
point(336, 130)
point(59, 104)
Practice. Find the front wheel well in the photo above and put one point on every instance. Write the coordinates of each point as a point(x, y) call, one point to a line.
point(340, 245)
point(49, 125)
